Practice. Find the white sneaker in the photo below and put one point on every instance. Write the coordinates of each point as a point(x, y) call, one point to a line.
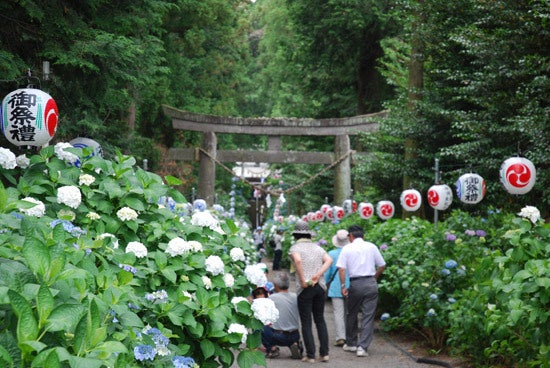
point(361, 352)
point(349, 348)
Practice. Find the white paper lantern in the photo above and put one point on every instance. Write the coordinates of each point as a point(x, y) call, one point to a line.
point(29, 117)
point(470, 188)
point(347, 205)
point(385, 209)
point(440, 197)
point(411, 200)
point(311, 216)
point(338, 212)
point(319, 216)
point(330, 214)
point(366, 210)
point(82, 142)
point(518, 175)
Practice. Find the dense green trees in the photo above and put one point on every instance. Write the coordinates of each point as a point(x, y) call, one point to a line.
point(482, 96)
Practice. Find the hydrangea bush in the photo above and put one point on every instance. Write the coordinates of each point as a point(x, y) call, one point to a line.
point(94, 272)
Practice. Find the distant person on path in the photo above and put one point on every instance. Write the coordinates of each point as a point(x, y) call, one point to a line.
point(311, 262)
point(278, 252)
point(259, 240)
point(284, 332)
point(335, 290)
point(364, 264)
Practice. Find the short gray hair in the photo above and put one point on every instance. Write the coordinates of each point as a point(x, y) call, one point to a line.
point(282, 280)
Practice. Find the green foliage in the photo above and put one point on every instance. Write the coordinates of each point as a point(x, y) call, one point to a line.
point(77, 290)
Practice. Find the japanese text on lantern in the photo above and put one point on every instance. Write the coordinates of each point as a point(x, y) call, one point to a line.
point(21, 118)
point(471, 189)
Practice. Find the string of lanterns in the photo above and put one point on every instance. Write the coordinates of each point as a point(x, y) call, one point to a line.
point(517, 175)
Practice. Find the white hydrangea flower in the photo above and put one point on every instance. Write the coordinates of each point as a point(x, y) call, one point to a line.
point(207, 282)
point(137, 248)
point(195, 245)
point(126, 214)
point(265, 310)
point(37, 211)
point(531, 213)
point(240, 329)
point(66, 156)
point(255, 275)
point(237, 299)
point(237, 254)
point(205, 219)
point(187, 294)
point(109, 235)
point(69, 195)
point(214, 265)
point(229, 280)
point(7, 159)
point(163, 350)
point(86, 179)
point(22, 161)
point(93, 216)
point(177, 247)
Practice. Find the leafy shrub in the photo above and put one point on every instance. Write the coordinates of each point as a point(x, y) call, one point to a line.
point(99, 274)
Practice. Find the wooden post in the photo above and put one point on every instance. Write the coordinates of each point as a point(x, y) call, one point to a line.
point(207, 168)
point(342, 171)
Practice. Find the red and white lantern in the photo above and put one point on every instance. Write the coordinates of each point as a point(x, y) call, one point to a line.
point(330, 214)
point(311, 216)
point(411, 200)
point(319, 216)
point(440, 197)
point(324, 209)
point(518, 175)
point(366, 210)
point(385, 209)
point(29, 117)
point(470, 188)
point(338, 212)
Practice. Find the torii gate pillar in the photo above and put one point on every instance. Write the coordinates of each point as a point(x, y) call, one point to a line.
point(207, 167)
point(342, 171)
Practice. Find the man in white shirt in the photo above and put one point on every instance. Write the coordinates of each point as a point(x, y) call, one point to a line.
point(364, 263)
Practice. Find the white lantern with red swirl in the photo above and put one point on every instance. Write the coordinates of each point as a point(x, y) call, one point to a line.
point(311, 216)
point(385, 209)
point(29, 117)
point(470, 188)
point(319, 216)
point(411, 200)
point(338, 212)
point(440, 197)
point(324, 209)
point(518, 175)
point(330, 214)
point(366, 210)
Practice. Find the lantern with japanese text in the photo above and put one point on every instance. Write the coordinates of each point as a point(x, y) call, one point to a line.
point(366, 210)
point(440, 197)
point(385, 209)
point(29, 117)
point(411, 199)
point(81, 142)
point(518, 175)
point(338, 212)
point(470, 188)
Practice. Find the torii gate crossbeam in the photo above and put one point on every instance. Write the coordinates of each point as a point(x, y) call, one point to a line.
point(209, 125)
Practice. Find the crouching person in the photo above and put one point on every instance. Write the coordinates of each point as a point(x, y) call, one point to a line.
point(286, 331)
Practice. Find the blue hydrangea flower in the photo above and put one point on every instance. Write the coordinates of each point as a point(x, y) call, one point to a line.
point(451, 263)
point(431, 313)
point(452, 300)
point(445, 272)
point(128, 268)
point(433, 296)
point(144, 352)
point(384, 316)
point(158, 337)
point(183, 362)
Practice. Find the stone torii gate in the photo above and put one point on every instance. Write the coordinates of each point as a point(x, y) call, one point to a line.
point(274, 128)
